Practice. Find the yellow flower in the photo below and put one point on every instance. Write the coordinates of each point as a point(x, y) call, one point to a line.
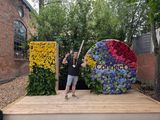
point(90, 62)
point(43, 54)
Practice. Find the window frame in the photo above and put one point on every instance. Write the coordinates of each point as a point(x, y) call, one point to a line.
point(22, 51)
point(20, 10)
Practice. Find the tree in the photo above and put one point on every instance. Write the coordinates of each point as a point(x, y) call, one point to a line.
point(41, 3)
point(105, 21)
point(132, 17)
point(71, 22)
point(78, 19)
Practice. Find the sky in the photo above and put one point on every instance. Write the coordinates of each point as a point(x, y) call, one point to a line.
point(34, 4)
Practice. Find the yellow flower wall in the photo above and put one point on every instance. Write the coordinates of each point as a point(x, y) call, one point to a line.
point(43, 54)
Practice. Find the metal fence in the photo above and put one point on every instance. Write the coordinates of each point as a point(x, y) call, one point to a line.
point(143, 44)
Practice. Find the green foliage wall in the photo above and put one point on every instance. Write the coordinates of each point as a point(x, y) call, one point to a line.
point(41, 82)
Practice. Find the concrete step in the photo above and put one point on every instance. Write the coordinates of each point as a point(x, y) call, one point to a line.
point(114, 116)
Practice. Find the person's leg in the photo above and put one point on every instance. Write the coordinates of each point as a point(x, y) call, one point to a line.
point(68, 84)
point(66, 90)
point(75, 80)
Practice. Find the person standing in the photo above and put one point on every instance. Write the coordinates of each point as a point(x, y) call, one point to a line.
point(74, 65)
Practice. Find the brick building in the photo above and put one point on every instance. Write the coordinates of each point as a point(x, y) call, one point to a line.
point(144, 49)
point(15, 30)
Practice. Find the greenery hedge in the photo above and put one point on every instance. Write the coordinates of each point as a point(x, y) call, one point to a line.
point(94, 85)
point(41, 82)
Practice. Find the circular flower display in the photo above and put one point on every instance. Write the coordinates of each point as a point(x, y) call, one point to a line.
point(113, 64)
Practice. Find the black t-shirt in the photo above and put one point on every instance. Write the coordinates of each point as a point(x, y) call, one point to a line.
point(74, 71)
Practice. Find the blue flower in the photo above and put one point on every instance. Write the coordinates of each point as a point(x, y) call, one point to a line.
point(122, 80)
point(96, 57)
point(100, 44)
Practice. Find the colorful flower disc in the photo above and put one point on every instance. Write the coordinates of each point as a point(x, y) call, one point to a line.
point(114, 64)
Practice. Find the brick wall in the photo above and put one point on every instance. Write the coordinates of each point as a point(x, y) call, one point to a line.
point(9, 67)
point(146, 68)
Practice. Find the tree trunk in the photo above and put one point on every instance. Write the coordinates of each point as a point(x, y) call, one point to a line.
point(157, 54)
point(154, 38)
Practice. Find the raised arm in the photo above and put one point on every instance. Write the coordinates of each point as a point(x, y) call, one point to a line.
point(84, 63)
point(65, 59)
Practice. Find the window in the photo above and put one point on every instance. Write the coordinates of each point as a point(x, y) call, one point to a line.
point(20, 11)
point(20, 40)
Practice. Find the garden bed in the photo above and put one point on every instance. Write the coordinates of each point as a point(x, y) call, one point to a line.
point(11, 91)
point(146, 90)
